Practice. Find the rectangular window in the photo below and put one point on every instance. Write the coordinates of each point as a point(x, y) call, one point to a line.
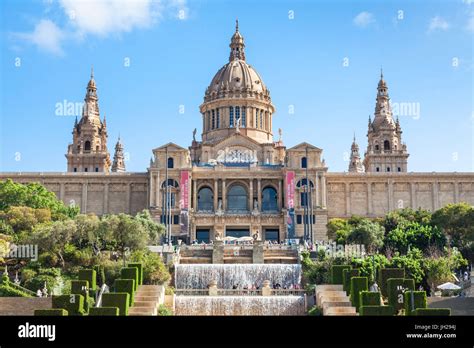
point(75, 169)
point(218, 119)
point(213, 119)
point(96, 169)
point(244, 118)
point(231, 116)
point(304, 200)
point(261, 119)
point(202, 236)
point(237, 115)
point(299, 219)
point(86, 169)
point(175, 219)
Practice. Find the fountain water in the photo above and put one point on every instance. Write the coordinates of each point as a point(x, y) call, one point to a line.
point(199, 276)
point(239, 305)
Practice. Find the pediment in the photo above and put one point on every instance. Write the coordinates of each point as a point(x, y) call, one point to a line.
point(170, 146)
point(237, 140)
point(302, 147)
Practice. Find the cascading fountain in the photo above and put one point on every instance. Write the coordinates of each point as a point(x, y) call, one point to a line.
point(228, 276)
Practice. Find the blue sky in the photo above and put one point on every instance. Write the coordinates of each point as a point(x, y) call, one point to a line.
point(320, 58)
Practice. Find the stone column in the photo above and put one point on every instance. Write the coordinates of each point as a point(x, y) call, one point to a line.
point(435, 195)
point(216, 194)
point(129, 198)
point(323, 189)
point(257, 255)
point(84, 198)
point(213, 288)
point(195, 205)
point(218, 252)
point(369, 198)
point(224, 196)
point(61, 191)
point(251, 194)
point(317, 190)
point(157, 190)
point(279, 192)
point(390, 194)
point(456, 192)
point(348, 198)
point(266, 290)
point(259, 194)
point(152, 201)
point(106, 198)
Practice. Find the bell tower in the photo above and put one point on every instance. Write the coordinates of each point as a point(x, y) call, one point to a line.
point(88, 151)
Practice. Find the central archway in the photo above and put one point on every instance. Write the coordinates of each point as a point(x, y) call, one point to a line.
point(237, 199)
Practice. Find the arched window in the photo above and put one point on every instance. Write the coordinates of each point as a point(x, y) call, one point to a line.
point(269, 199)
point(302, 182)
point(304, 163)
point(237, 198)
point(205, 199)
point(171, 182)
point(231, 116)
point(87, 146)
point(386, 145)
point(170, 162)
point(377, 147)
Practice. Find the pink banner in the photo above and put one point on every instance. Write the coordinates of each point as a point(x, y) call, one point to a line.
point(184, 184)
point(290, 189)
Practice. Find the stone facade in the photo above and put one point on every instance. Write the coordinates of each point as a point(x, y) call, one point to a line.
point(233, 181)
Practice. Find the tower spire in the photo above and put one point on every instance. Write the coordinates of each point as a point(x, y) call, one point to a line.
point(236, 25)
point(92, 72)
point(237, 45)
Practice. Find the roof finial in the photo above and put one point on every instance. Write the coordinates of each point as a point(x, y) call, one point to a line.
point(381, 73)
point(92, 71)
point(354, 136)
point(236, 25)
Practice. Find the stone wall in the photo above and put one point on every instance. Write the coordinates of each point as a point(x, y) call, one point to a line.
point(99, 193)
point(374, 194)
point(23, 305)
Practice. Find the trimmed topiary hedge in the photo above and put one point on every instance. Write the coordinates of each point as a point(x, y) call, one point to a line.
point(81, 287)
point(103, 311)
point(8, 291)
point(51, 312)
point(433, 312)
point(336, 273)
point(387, 273)
point(358, 284)
point(140, 271)
point(73, 303)
point(126, 285)
point(377, 311)
point(347, 274)
point(369, 298)
point(396, 288)
point(419, 298)
point(100, 271)
point(90, 275)
point(130, 273)
point(117, 299)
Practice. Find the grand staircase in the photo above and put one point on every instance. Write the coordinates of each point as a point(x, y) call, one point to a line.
point(147, 300)
point(334, 300)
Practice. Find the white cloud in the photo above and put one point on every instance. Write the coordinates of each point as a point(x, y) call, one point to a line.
point(438, 23)
point(363, 19)
point(111, 16)
point(47, 36)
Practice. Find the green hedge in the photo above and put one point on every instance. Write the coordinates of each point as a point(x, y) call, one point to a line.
point(369, 298)
point(396, 288)
point(91, 276)
point(73, 303)
point(347, 274)
point(336, 273)
point(130, 273)
point(103, 311)
point(126, 285)
point(100, 271)
point(419, 298)
point(8, 291)
point(140, 271)
point(50, 312)
point(358, 284)
point(376, 311)
point(433, 312)
point(387, 273)
point(81, 287)
point(117, 299)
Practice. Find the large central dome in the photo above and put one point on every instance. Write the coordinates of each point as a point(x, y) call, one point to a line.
point(237, 99)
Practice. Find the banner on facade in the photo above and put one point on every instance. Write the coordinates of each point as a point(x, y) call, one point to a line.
point(290, 204)
point(184, 202)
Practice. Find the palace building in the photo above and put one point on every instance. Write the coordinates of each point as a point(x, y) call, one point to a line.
point(240, 179)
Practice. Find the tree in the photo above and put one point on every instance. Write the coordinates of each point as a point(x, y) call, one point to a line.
point(405, 216)
point(368, 233)
point(127, 233)
point(412, 263)
point(154, 270)
point(54, 237)
point(441, 269)
point(154, 229)
point(338, 230)
point(87, 231)
point(414, 235)
point(25, 218)
point(33, 195)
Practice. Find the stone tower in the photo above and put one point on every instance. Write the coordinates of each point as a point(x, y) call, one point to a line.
point(355, 162)
point(385, 150)
point(119, 160)
point(88, 151)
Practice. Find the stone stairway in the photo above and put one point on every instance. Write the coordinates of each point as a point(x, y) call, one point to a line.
point(147, 300)
point(334, 301)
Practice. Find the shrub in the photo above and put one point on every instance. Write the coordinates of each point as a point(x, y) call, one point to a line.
point(169, 290)
point(100, 271)
point(103, 311)
point(117, 299)
point(387, 273)
point(51, 312)
point(90, 275)
point(81, 287)
point(358, 284)
point(369, 298)
point(8, 291)
point(139, 266)
point(419, 298)
point(433, 312)
point(164, 311)
point(315, 311)
point(336, 273)
point(396, 288)
point(376, 311)
point(73, 303)
point(130, 273)
point(126, 285)
point(347, 274)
